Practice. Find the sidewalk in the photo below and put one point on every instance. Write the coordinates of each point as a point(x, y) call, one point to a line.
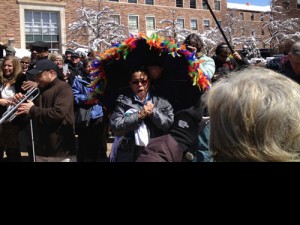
point(25, 157)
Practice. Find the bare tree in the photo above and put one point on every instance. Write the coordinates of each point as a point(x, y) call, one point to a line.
point(173, 28)
point(280, 26)
point(211, 38)
point(96, 29)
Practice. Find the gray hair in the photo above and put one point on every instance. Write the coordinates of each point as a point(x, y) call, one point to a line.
point(254, 116)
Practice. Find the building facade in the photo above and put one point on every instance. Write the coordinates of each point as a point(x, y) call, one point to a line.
point(26, 21)
point(249, 21)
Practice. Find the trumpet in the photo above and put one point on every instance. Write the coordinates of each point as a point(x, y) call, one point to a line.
point(11, 111)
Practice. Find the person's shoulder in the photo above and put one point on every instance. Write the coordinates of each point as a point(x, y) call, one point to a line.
point(63, 85)
point(206, 58)
point(124, 94)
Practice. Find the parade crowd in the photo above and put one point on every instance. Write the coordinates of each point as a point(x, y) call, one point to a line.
point(250, 113)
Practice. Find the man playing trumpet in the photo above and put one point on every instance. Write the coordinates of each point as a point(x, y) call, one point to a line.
point(53, 113)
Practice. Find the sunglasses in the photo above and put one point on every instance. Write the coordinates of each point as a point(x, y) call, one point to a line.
point(136, 82)
point(25, 62)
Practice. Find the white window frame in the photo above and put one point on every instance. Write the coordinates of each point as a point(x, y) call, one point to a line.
point(204, 27)
point(219, 9)
point(195, 5)
point(41, 7)
point(153, 3)
point(182, 19)
point(118, 16)
point(197, 25)
point(134, 30)
point(154, 24)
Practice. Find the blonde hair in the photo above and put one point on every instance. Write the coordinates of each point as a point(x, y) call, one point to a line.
point(54, 56)
point(254, 116)
point(17, 71)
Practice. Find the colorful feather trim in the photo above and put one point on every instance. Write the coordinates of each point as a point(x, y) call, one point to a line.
point(154, 41)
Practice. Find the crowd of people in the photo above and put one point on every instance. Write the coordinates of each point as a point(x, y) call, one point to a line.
point(249, 114)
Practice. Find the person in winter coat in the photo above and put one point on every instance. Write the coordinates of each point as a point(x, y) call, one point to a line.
point(174, 146)
point(288, 65)
point(226, 64)
point(53, 112)
point(194, 43)
point(92, 143)
point(139, 115)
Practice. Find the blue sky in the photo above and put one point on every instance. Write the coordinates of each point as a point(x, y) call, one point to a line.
point(252, 2)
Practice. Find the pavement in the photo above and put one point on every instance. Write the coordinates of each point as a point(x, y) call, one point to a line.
point(25, 157)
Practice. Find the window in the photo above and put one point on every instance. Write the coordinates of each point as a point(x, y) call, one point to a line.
point(252, 16)
point(194, 24)
point(220, 23)
point(132, 1)
point(206, 24)
point(179, 3)
point(252, 33)
point(150, 23)
point(149, 2)
point(262, 32)
point(298, 4)
point(204, 6)
point(286, 4)
point(261, 17)
point(242, 16)
point(116, 18)
point(133, 22)
point(42, 26)
point(217, 5)
point(180, 22)
point(193, 4)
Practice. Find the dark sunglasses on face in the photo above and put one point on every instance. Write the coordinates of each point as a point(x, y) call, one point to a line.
point(136, 82)
point(25, 62)
point(74, 57)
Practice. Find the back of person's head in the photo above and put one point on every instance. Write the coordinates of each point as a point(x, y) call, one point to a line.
point(254, 116)
point(55, 56)
point(195, 41)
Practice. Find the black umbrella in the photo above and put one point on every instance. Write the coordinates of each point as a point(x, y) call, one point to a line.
point(177, 82)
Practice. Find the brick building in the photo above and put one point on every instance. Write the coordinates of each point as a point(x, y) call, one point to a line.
point(26, 21)
point(249, 21)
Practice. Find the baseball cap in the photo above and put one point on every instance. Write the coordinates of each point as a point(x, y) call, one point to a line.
point(43, 65)
point(75, 54)
point(69, 51)
point(295, 50)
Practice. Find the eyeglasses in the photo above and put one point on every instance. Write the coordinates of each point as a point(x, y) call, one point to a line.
point(25, 62)
point(74, 57)
point(136, 82)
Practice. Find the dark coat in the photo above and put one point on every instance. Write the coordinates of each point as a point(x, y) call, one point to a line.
point(54, 115)
point(162, 149)
point(283, 66)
